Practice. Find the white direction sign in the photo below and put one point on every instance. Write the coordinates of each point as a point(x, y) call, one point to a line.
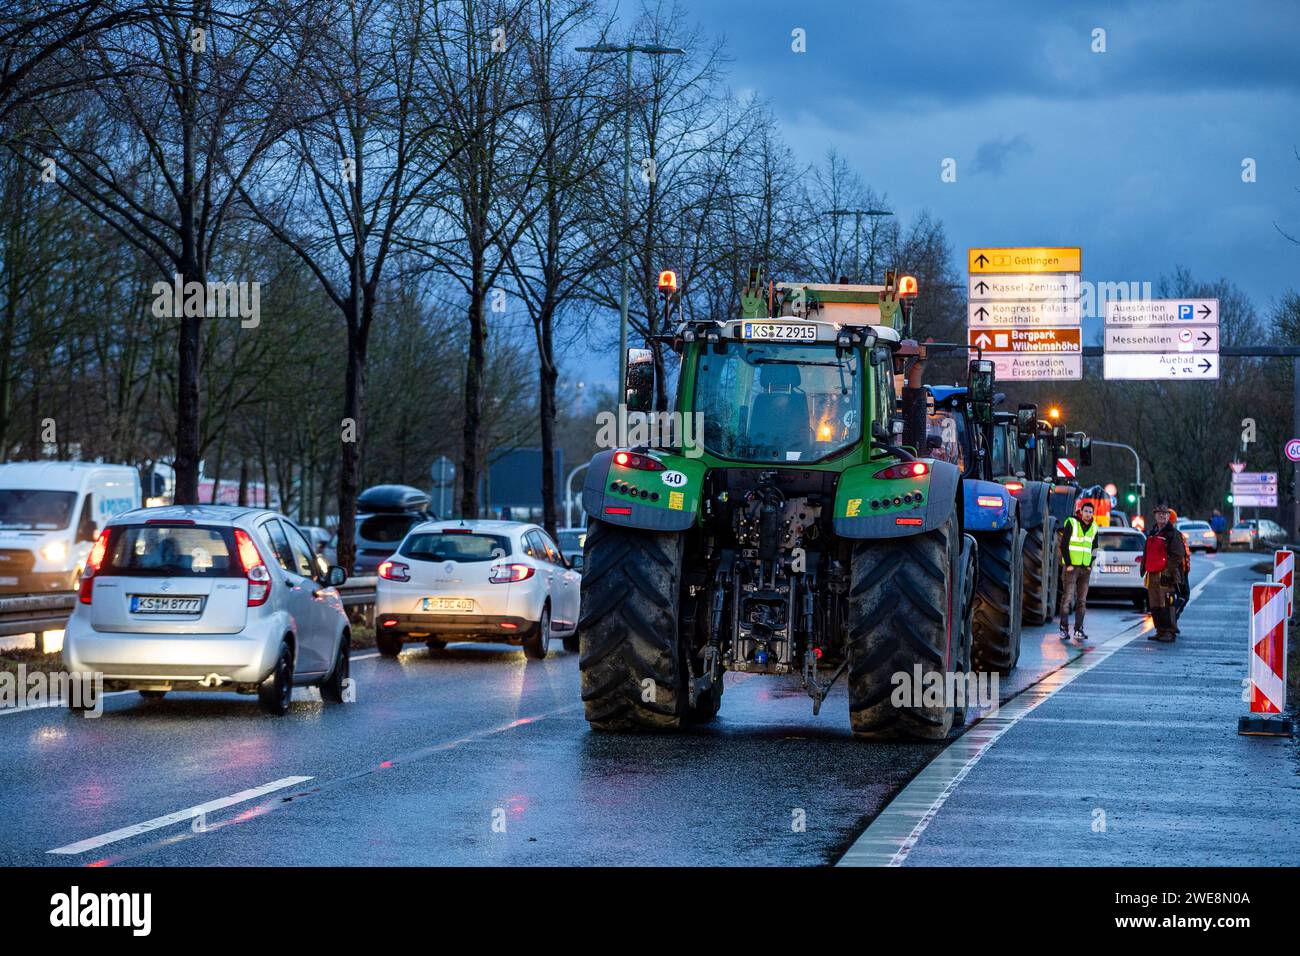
point(1162, 339)
point(1047, 286)
point(1159, 312)
point(1191, 338)
point(1255, 489)
point(1052, 313)
point(1029, 368)
point(1167, 365)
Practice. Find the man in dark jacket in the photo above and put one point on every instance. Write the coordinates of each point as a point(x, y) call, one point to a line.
point(1162, 586)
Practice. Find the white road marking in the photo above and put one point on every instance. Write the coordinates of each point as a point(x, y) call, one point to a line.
point(180, 816)
point(898, 827)
point(5, 711)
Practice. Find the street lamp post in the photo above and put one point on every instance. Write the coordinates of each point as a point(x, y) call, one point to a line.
point(1137, 465)
point(857, 215)
point(627, 50)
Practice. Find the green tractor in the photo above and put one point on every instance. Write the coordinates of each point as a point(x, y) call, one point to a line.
point(780, 530)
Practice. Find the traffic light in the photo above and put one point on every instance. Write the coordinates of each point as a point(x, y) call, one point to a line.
point(1229, 499)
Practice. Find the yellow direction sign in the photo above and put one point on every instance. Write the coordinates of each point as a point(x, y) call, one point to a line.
point(1028, 260)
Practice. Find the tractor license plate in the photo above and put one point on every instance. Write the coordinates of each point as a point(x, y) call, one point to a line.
point(779, 332)
point(160, 604)
point(448, 604)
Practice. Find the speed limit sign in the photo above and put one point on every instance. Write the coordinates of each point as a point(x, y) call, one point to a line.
point(1293, 449)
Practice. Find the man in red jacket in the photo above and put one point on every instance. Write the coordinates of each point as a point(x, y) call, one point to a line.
point(1164, 584)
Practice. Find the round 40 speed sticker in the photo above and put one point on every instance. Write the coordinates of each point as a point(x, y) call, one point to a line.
point(674, 479)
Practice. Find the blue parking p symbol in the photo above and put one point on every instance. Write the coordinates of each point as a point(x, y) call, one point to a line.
point(1184, 311)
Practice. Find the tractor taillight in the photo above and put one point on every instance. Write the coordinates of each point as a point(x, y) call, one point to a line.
point(989, 501)
point(630, 459)
point(906, 469)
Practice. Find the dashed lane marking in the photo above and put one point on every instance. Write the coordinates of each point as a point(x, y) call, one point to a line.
point(180, 816)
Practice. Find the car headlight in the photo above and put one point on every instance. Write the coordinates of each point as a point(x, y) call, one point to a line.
point(54, 551)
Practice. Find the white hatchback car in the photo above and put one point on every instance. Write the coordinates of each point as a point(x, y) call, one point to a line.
point(210, 597)
point(1115, 566)
point(499, 581)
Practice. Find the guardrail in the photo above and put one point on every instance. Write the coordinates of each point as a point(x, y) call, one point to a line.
point(39, 613)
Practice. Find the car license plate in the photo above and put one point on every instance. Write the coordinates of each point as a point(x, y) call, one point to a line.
point(164, 604)
point(448, 604)
point(8, 580)
point(780, 331)
point(1114, 569)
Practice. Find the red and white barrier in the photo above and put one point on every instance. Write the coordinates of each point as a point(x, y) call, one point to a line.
point(1268, 617)
point(1284, 573)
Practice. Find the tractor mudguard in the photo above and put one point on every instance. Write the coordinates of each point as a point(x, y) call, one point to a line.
point(989, 506)
point(871, 507)
point(664, 500)
point(1033, 503)
point(1061, 502)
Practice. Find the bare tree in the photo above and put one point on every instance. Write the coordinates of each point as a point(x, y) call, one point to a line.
point(554, 260)
point(179, 126)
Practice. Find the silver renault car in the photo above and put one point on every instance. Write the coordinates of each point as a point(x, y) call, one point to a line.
point(210, 597)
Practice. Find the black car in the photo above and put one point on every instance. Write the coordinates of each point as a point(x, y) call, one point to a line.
point(384, 514)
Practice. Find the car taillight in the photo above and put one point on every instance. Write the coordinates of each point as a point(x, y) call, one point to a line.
point(628, 459)
point(394, 571)
point(509, 573)
point(94, 561)
point(255, 569)
point(906, 469)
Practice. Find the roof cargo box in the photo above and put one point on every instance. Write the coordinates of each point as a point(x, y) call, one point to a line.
point(396, 498)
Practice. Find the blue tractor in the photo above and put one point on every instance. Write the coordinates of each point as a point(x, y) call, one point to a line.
point(1019, 463)
point(960, 428)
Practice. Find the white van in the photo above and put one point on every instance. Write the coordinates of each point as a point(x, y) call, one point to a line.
point(50, 514)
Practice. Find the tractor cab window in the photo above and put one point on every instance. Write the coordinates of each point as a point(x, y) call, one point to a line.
point(945, 436)
point(779, 402)
point(1001, 452)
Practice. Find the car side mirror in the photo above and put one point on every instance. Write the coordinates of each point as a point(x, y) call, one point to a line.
point(638, 389)
point(575, 562)
point(335, 576)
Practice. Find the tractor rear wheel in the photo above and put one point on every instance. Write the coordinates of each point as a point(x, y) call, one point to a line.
point(629, 649)
point(904, 614)
point(1040, 563)
point(998, 601)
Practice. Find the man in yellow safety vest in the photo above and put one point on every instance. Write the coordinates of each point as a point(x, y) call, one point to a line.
point(1078, 542)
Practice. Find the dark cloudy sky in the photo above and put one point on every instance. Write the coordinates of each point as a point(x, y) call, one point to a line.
point(1134, 154)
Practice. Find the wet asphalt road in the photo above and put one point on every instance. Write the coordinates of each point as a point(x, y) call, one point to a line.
point(1137, 762)
point(466, 758)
